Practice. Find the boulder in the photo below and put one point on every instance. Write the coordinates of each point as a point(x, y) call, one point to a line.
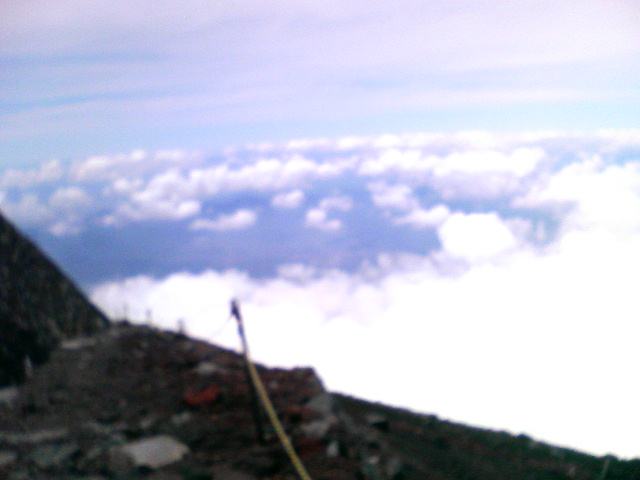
point(322, 403)
point(9, 396)
point(49, 456)
point(7, 457)
point(154, 452)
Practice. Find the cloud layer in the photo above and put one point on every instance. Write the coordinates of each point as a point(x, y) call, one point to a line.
point(487, 278)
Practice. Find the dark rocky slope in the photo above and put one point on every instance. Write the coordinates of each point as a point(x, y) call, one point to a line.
point(39, 306)
point(134, 402)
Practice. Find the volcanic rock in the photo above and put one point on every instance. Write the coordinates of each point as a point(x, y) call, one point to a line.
point(39, 306)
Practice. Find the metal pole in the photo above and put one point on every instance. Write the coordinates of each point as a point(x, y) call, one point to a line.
point(257, 418)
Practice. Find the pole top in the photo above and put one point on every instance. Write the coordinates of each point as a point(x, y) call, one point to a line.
point(235, 309)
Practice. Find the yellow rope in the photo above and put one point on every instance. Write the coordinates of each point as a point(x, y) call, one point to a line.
point(264, 398)
point(284, 439)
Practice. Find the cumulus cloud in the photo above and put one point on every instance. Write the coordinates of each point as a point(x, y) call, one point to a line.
point(319, 217)
point(484, 174)
point(289, 200)
point(104, 166)
point(69, 198)
point(49, 172)
point(508, 332)
point(343, 204)
point(267, 174)
point(591, 194)
point(69, 226)
point(421, 218)
point(28, 210)
point(476, 236)
point(471, 173)
point(520, 246)
point(178, 193)
point(393, 160)
point(396, 197)
point(238, 220)
point(135, 163)
point(167, 196)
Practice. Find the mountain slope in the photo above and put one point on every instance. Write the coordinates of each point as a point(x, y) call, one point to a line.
point(100, 401)
point(39, 306)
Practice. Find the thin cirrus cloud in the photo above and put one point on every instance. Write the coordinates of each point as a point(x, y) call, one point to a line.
point(84, 77)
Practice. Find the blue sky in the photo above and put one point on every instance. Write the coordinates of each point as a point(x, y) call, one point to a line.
point(449, 191)
point(81, 78)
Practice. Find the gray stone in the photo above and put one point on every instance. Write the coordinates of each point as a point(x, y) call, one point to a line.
point(19, 475)
point(333, 449)
point(147, 422)
point(322, 403)
point(180, 419)
point(48, 456)
point(208, 368)
point(393, 467)
point(378, 421)
point(154, 452)
point(39, 436)
point(9, 396)
point(371, 468)
point(7, 457)
point(317, 429)
point(78, 343)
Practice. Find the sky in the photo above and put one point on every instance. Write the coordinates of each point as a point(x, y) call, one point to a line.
point(436, 205)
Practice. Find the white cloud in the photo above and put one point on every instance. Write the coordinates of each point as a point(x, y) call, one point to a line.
point(69, 198)
point(484, 174)
point(317, 218)
point(27, 211)
point(70, 226)
point(590, 194)
point(476, 236)
point(104, 166)
point(397, 197)
point(343, 203)
point(298, 272)
point(470, 173)
point(161, 209)
point(421, 218)
point(520, 162)
point(508, 332)
point(124, 186)
point(393, 160)
point(266, 174)
point(133, 164)
point(289, 200)
point(238, 220)
point(178, 194)
point(49, 172)
point(167, 195)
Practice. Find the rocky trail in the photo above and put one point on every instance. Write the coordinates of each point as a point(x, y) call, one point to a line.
point(134, 402)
